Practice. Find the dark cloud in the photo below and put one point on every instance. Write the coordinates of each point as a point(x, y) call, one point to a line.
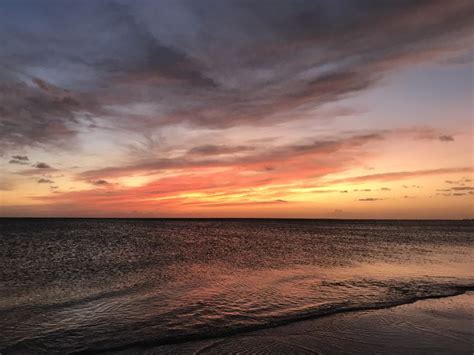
point(205, 63)
point(19, 162)
point(385, 189)
point(210, 149)
point(20, 157)
point(446, 138)
point(449, 192)
point(29, 116)
point(370, 199)
point(100, 182)
point(457, 188)
point(106, 47)
point(41, 165)
point(462, 188)
point(427, 133)
point(45, 181)
point(323, 191)
point(460, 182)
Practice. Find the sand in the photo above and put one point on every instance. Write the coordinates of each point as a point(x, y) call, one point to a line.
point(433, 326)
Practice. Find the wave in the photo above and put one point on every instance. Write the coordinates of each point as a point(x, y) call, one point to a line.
point(310, 314)
point(144, 317)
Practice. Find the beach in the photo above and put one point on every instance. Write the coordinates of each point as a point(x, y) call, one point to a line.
point(432, 326)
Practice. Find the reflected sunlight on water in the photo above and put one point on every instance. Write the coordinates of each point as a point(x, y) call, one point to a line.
point(93, 284)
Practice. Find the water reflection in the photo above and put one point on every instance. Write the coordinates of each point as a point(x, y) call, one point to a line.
point(169, 281)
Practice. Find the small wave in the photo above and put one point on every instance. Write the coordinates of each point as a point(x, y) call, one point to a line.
point(310, 314)
point(142, 319)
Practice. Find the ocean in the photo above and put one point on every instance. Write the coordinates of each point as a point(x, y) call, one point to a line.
point(72, 285)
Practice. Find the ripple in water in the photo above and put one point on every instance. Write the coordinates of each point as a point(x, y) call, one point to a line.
point(72, 285)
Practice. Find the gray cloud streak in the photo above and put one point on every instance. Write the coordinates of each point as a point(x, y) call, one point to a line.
point(204, 63)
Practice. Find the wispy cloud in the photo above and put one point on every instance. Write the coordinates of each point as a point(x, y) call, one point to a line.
point(252, 160)
point(100, 182)
point(45, 181)
point(190, 74)
point(19, 159)
point(370, 199)
point(400, 175)
point(446, 138)
point(41, 165)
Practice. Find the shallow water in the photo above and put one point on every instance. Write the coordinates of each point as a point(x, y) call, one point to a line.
point(92, 284)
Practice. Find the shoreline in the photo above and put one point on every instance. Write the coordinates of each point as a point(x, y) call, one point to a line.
point(408, 309)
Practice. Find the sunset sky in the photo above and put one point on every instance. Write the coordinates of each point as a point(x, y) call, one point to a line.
point(223, 108)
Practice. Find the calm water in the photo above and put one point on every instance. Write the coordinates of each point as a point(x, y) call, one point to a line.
point(92, 284)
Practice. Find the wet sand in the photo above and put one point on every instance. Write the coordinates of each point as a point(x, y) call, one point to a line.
point(432, 326)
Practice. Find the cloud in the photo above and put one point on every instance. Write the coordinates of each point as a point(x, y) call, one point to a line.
point(426, 133)
point(400, 175)
point(41, 165)
point(458, 182)
point(20, 157)
point(100, 182)
point(211, 149)
point(30, 116)
point(40, 168)
point(446, 138)
point(287, 58)
point(241, 203)
point(370, 199)
point(323, 191)
point(45, 181)
point(19, 160)
point(457, 188)
point(254, 159)
point(385, 189)
point(462, 188)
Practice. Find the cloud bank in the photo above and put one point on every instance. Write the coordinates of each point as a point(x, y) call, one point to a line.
point(143, 65)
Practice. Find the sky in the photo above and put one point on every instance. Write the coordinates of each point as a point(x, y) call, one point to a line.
point(237, 108)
